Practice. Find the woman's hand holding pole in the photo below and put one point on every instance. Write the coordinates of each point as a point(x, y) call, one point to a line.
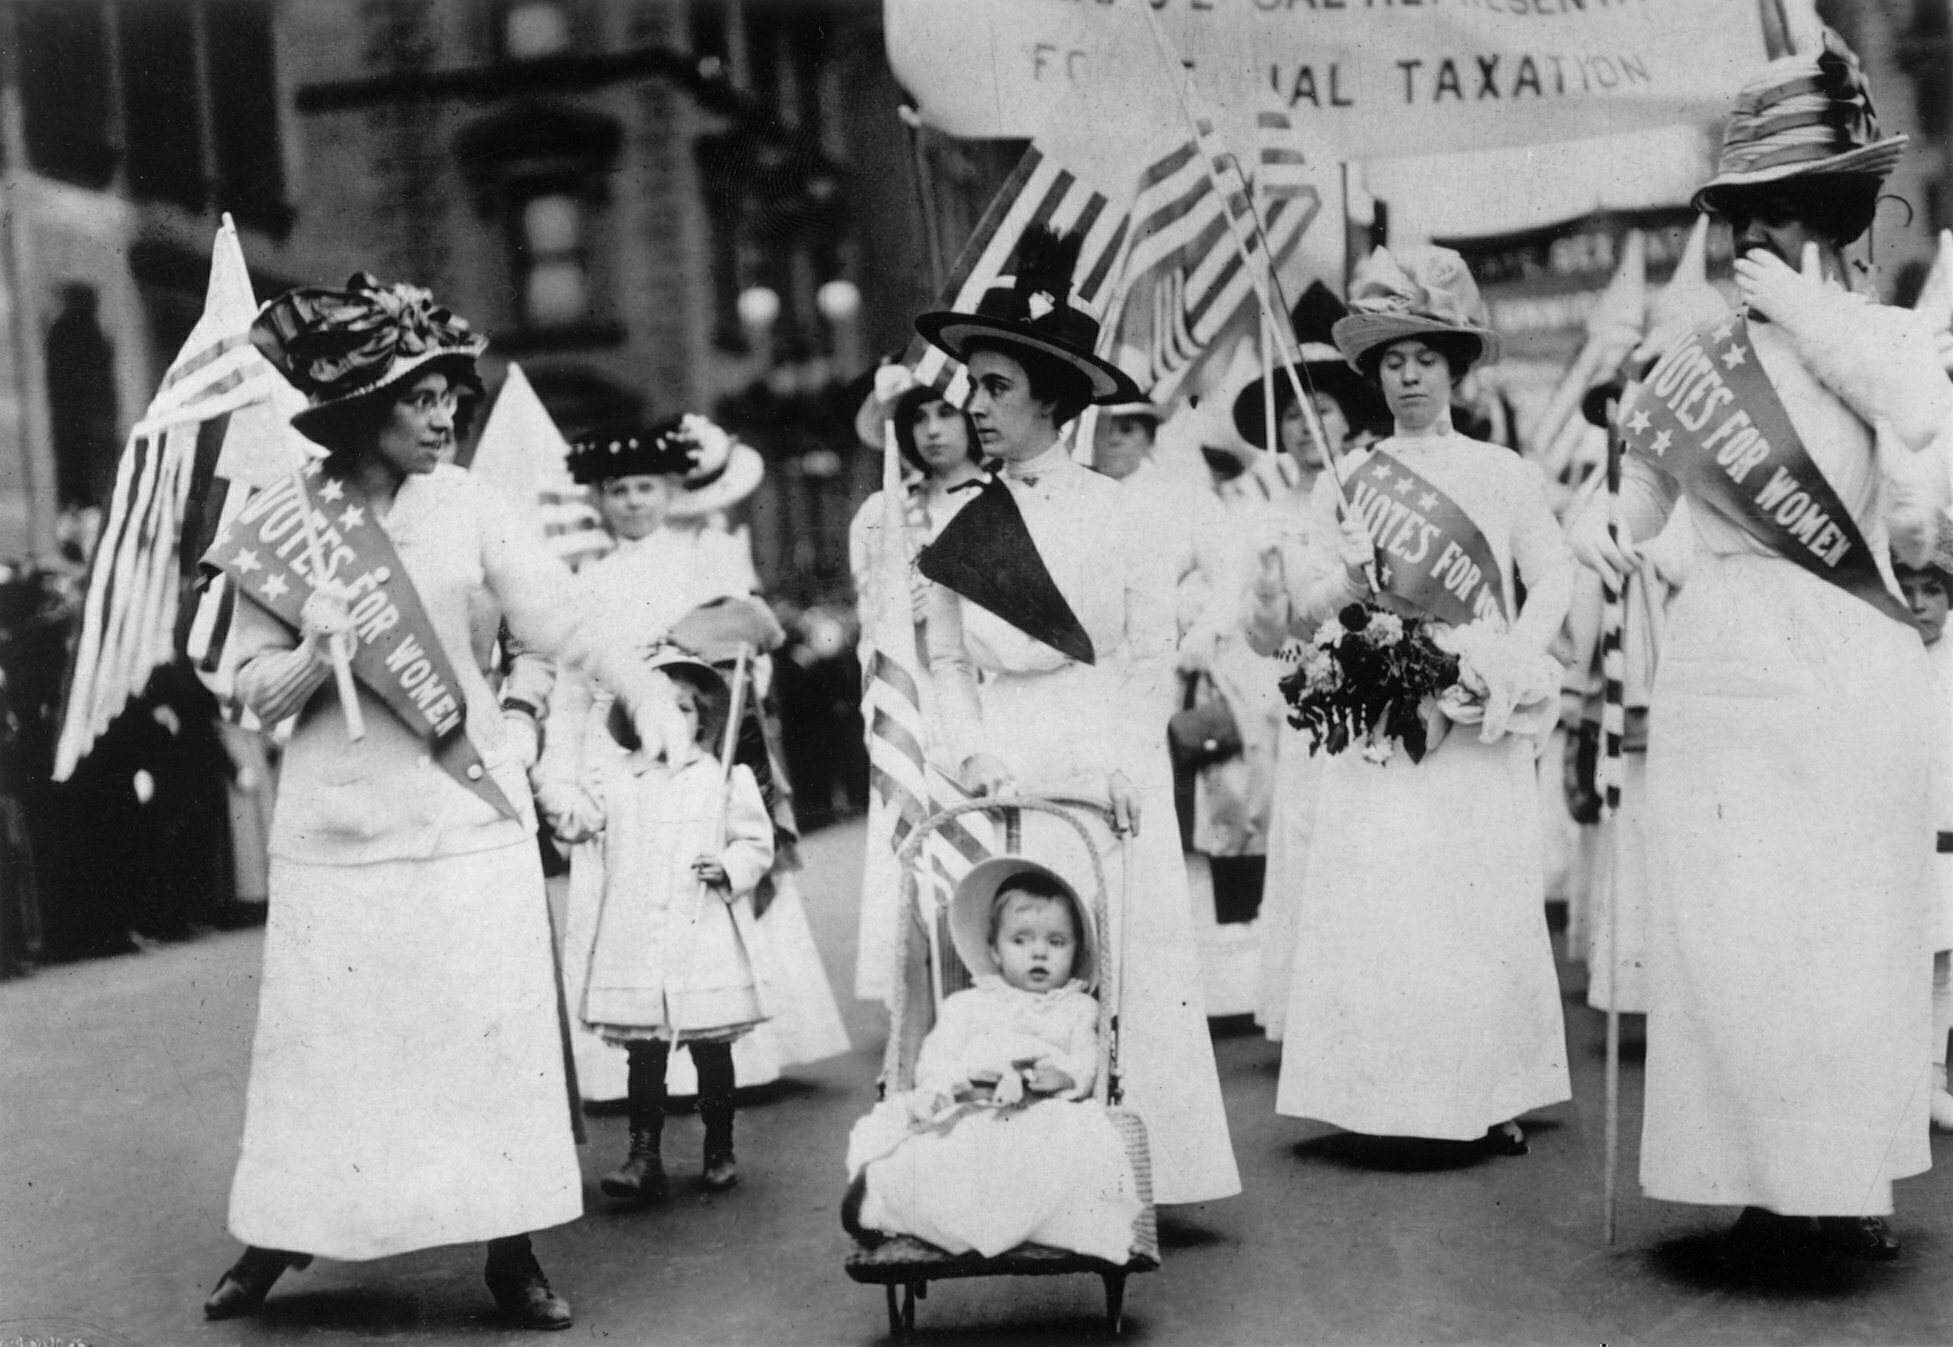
point(326, 628)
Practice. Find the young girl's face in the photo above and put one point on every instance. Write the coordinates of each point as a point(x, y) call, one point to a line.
point(1037, 942)
point(1927, 597)
point(688, 707)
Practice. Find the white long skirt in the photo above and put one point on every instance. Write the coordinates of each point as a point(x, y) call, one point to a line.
point(1788, 783)
point(805, 1028)
point(406, 1082)
point(1425, 1002)
point(1291, 825)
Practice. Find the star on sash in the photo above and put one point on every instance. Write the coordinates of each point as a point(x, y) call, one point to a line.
point(274, 587)
point(332, 490)
point(1385, 476)
point(1384, 575)
point(1428, 501)
point(1734, 356)
point(1722, 333)
point(1638, 422)
point(1406, 486)
point(352, 517)
point(313, 468)
point(1661, 442)
point(247, 561)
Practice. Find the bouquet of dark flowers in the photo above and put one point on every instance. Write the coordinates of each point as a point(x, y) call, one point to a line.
point(1365, 679)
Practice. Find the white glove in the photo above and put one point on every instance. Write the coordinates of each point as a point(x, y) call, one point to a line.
point(1355, 547)
point(1010, 1088)
point(1594, 547)
point(524, 739)
point(1773, 291)
point(568, 810)
point(326, 621)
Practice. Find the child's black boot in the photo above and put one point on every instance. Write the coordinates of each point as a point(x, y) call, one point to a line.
point(641, 1178)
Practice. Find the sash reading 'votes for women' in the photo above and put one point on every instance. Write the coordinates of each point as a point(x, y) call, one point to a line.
point(397, 653)
point(1430, 553)
point(1707, 414)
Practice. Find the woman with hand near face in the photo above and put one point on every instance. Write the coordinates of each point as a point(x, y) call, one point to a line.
point(1047, 590)
point(1424, 1001)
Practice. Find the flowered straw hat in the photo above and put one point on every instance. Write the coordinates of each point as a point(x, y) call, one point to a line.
point(1034, 311)
point(340, 347)
point(969, 915)
point(1802, 117)
point(715, 472)
point(1418, 291)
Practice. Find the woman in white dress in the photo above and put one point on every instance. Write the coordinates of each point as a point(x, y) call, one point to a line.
point(938, 441)
point(1424, 1001)
point(407, 1080)
point(670, 576)
point(1349, 411)
point(1045, 587)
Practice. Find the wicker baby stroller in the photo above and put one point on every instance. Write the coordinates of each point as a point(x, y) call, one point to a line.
point(927, 971)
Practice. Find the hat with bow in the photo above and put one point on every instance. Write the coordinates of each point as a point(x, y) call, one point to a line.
point(343, 347)
point(1034, 311)
point(1804, 116)
point(1418, 291)
point(714, 470)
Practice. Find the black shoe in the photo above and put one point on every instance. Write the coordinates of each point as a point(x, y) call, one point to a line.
point(1505, 1139)
point(521, 1292)
point(1867, 1237)
point(721, 1171)
point(243, 1288)
point(641, 1178)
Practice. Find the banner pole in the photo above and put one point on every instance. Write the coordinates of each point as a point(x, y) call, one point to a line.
point(1269, 428)
point(1611, 770)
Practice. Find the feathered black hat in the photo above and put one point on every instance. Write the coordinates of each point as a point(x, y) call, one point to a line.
point(1034, 311)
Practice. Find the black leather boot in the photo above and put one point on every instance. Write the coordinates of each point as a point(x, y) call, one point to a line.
point(243, 1288)
point(714, 1063)
point(521, 1292)
point(641, 1178)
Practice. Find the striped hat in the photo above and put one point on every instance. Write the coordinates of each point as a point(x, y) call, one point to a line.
point(1802, 117)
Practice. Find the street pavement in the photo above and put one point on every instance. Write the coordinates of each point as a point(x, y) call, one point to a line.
point(121, 1099)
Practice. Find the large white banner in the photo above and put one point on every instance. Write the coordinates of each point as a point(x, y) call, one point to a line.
point(1362, 78)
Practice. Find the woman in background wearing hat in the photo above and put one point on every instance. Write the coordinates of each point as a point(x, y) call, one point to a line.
point(1044, 586)
point(939, 443)
point(672, 576)
point(1789, 786)
point(1352, 415)
point(407, 1085)
point(1424, 1001)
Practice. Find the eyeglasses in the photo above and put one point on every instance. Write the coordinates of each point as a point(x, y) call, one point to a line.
point(424, 401)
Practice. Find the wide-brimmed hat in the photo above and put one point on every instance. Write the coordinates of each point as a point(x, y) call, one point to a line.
point(1805, 116)
point(896, 397)
point(341, 347)
point(1323, 371)
point(969, 915)
point(1034, 312)
point(715, 471)
point(1419, 291)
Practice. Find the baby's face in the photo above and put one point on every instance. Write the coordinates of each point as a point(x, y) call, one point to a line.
point(1036, 943)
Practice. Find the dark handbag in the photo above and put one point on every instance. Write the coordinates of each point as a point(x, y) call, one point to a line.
point(1202, 733)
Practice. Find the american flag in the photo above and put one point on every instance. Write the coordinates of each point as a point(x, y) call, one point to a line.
point(1039, 191)
point(218, 419)
point(1187, 204)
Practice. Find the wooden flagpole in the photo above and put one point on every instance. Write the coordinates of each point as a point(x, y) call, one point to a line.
point(1610, 771)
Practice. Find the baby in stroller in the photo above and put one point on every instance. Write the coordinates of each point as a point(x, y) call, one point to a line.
point(1001, 1142)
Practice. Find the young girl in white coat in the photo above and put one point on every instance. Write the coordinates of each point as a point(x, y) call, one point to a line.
point(675, 959)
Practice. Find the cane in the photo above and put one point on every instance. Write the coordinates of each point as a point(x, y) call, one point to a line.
point(1608, 773)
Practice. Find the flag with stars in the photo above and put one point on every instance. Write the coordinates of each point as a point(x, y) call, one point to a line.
point(1431, 554)
point(219, 419)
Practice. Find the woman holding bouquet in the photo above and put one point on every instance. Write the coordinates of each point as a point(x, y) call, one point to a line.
point(1045, 584)
point(1424, 1001)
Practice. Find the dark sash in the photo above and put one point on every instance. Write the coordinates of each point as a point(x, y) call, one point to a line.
point(1706, 413)
point(1431, 555)
point(397, 653)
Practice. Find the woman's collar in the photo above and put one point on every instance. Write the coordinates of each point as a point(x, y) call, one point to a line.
point(1051, 460)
